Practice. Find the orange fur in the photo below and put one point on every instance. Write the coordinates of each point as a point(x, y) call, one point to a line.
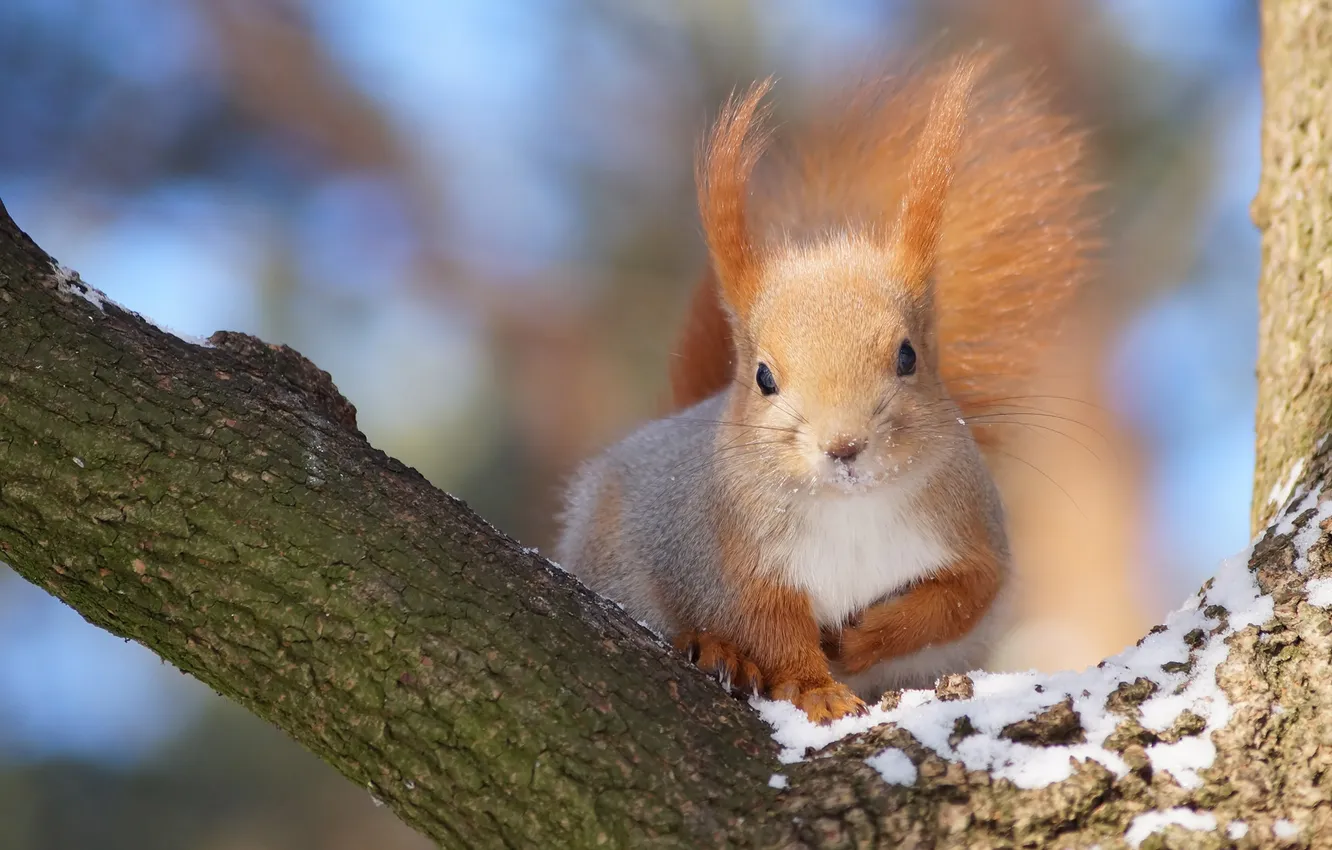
point(937, 610)
point(975, 191)
point(1009, 237)
point(701, 363)
point(773, 627)
point(915, 239)
point(723, 173)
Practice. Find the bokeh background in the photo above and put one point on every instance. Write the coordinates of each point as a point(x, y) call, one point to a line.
point(477, 215)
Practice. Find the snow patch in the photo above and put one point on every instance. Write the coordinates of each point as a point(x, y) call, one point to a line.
point(1290, 514)
point(1282, 489)
point(1320, 592)
point(68, 281)
point(894, 766)
point(1001, 699)
point(1149, 822)
point(1285, 829)
point(1237, 830)
point(1308, 535)
point(1180, 658)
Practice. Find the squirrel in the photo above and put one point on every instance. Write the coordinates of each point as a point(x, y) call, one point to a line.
point(817, 520)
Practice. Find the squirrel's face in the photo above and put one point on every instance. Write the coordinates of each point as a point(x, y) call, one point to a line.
point(836, 372)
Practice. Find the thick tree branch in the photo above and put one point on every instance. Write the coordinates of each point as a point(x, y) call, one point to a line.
point(217, 505)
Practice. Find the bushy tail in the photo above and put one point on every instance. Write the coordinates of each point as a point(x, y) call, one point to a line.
point(1015, 242)
point(702, 361)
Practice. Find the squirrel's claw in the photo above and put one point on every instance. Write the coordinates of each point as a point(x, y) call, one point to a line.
point(711, 654)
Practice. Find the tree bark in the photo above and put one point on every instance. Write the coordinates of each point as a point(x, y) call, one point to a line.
point(1293, 208)
point(217, 504)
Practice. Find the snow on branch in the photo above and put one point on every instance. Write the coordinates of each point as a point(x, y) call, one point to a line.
point(1034, 729)
point(69, 283)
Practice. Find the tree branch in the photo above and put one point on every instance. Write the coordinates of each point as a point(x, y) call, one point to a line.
point(217, 505)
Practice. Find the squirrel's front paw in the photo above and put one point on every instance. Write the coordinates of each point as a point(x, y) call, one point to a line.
point(821, 703)
point(722, 659)
point(857, 649)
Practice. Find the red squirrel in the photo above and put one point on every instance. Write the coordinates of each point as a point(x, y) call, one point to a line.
point(816, 521)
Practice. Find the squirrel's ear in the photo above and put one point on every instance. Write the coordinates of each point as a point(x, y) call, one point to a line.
point(915, 237)
point(723, 171)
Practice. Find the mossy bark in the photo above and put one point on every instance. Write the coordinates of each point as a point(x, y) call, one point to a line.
point(218, 505)
point(1294, 211)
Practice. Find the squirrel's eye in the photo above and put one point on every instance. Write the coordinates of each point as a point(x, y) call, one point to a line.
point(906, 359)
point(766, 382)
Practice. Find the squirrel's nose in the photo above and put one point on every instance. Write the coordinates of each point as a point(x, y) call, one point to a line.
point(844, 449)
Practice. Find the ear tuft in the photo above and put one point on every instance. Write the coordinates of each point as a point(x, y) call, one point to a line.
point(915, 239)
point(723, 175)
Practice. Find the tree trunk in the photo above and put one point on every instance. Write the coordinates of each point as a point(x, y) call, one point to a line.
point(1293, 209)
point(217, 504)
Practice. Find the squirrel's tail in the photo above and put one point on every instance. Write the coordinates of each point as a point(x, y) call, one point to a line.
point(1015, 242)
point(701, 363)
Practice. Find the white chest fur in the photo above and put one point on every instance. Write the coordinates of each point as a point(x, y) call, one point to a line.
point(855, 549)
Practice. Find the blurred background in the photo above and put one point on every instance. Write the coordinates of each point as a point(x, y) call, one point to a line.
point(477, 215)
